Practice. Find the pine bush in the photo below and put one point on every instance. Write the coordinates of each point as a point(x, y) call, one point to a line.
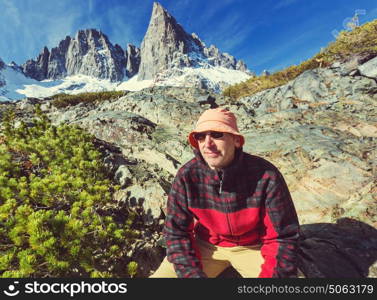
point(56, 211)
point(64, 100)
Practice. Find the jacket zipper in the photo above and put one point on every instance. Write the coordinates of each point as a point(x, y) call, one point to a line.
point(221, 176)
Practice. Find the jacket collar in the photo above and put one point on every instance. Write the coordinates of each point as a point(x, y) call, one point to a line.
point(229, 172)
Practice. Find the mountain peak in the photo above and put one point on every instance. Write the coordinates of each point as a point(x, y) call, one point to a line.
point(89, 53)
point(91, 33)
point(164, 39)
point(158, 9)
point(166, 46)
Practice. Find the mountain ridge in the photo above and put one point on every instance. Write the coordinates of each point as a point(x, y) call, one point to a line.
point(168, 56)
point(90, 52)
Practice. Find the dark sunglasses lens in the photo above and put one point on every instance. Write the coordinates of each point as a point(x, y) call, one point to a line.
point(200, 136)
point(216, 135)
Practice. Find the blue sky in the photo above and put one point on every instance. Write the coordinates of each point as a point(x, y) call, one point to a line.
point(269, 34)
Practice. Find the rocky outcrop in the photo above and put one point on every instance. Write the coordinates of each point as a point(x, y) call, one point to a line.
point(90, 53)
point(369, 69)
point(344, 249)
point(15, 67)
point(2, 80)
point(58, 59)
point(167, 46)
point(2, 83)
point(217, 59)
point(132, 60)
point(2, 64)
point(48, 65)
point(326, 122)
point(312, 88)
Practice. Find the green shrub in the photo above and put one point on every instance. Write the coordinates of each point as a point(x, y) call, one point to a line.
point(56, 218)
point(362, 40)
point(63, 100)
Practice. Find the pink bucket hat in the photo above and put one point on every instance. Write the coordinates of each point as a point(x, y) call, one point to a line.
point(217, 119)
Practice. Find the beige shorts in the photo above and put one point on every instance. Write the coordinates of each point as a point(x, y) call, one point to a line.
point(247, 260)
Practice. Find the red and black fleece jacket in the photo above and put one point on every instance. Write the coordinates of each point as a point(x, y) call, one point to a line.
point(249, 204)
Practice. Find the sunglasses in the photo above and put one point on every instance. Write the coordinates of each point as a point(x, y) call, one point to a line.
point(200, 136)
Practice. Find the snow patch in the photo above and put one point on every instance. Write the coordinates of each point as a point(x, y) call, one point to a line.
point(18, 86)
point(134, 85)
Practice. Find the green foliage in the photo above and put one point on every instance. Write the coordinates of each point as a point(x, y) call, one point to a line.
point(132, 268)
point(360, 41)
point(63, 100)
point(55, 219)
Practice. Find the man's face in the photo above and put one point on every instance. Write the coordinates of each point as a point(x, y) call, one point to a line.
point(218, 152)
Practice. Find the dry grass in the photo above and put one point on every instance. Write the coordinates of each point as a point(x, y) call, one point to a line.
point(360, 41)
point(63, 100)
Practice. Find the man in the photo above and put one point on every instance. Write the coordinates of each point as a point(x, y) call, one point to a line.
point(227, 207)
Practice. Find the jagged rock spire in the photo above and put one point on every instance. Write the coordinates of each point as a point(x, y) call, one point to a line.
point(166, 45)
point(163, 39)
point(132, 60)
point(90, 53)
point(2, 81)
point(37, 69)
point(2, 64)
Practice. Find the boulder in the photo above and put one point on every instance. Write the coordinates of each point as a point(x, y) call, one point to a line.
point(346, 249)
point(369, 69)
